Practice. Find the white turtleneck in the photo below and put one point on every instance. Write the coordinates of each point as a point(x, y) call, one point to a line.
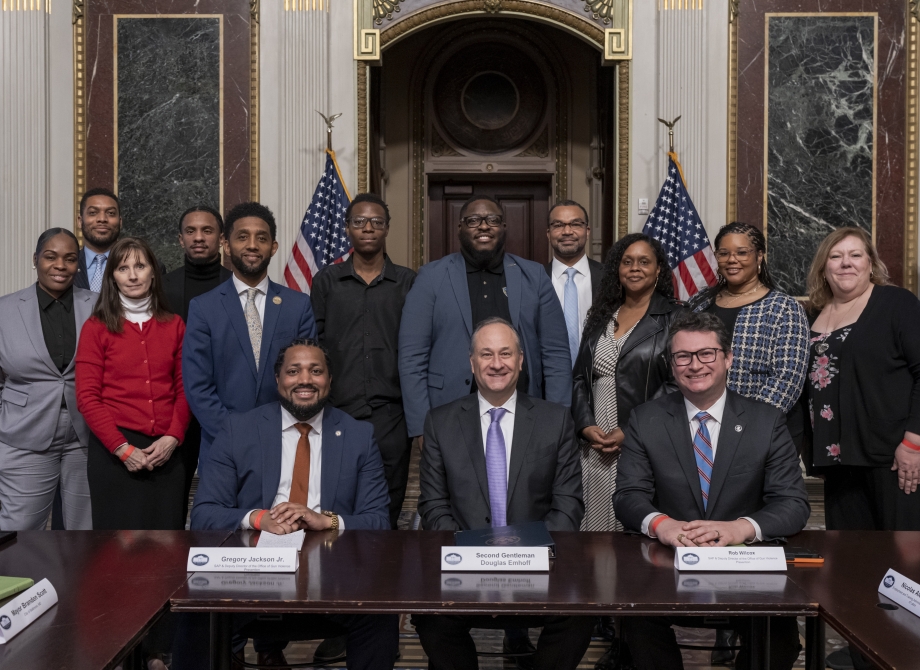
point(137, 310)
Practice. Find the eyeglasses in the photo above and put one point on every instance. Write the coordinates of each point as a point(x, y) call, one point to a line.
point(740, 254)
point(493, 220)
point(682, 358)
point(577, 225)
point(359, 222)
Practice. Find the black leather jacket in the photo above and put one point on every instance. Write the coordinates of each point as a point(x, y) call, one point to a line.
point(643, 371)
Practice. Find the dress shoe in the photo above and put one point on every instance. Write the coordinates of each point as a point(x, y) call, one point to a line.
point(330, 650)
point(724, 638)
point(840, 659)
point(272, 659)
point(511, 647)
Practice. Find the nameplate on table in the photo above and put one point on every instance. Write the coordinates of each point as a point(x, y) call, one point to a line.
point(730, 559)
point(278, 585)
point(242, 559)
point(750, 582)
point(24, 608)
point(494, 559)
point(500, 587)
point(905, 592)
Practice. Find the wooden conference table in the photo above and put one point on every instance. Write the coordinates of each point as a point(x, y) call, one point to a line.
point(112, 586)
point(377, 572)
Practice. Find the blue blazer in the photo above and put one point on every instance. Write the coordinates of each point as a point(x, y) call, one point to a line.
point(218, 368)
point(244, 469)
point(437, 323)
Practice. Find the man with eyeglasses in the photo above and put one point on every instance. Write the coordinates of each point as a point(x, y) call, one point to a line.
point(576, 278)
point(707, 467)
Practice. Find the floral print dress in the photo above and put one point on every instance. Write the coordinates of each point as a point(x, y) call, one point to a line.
point(824, 394)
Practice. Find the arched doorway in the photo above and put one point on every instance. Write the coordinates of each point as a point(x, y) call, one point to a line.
point(504, 106)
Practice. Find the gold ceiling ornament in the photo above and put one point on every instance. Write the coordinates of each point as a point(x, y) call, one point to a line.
point(384, 9)
point(600, 10)
point(492, 6)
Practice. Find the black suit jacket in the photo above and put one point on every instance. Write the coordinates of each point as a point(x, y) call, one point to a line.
point(544, 480)
point(82, 278)
point(174, 289)
point(597, 275)
point(755, 473)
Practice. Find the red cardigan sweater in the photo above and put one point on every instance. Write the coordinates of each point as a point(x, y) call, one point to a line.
point(132, 379)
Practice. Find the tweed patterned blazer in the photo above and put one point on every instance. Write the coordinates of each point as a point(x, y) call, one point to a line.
point(770, 347)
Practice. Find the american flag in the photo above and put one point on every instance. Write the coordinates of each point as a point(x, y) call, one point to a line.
point(322, 239)
point(675, 223)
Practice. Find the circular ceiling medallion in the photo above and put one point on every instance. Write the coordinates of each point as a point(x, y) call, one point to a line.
point(489, 97)
point(490, 100)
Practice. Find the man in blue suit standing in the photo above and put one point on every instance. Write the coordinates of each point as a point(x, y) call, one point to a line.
point(234, 332)
point(296, 464)
point(454, 294)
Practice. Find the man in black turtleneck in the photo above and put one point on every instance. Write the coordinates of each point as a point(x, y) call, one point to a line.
point(200, 232)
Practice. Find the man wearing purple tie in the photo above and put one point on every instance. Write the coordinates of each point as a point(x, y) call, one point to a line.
point(707, 467)
point(498, 458)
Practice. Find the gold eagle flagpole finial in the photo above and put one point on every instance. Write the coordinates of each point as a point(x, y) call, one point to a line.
point(670, 132)
point(328, 119)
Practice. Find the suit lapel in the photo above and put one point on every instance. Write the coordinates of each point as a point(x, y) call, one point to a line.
point(238, 322)
point(597, 274)
point(645, 329)
point(471, 428)
point(513, 283)
point(270, 438)
point(272, 311)
point(28, 309)
point(457, 274)
point(679, 430)
point(726, 448)
point(333, 445)
point(523, 428)
point(83, 304)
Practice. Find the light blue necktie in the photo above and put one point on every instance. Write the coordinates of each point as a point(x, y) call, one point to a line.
point(497, 468)
point(95, 283)
point(702, 449)
point(570, 309)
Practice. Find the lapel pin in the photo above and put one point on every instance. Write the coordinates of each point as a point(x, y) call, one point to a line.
point(737, 429)
point(338, 433)
point(505, 290)
point(276, 300)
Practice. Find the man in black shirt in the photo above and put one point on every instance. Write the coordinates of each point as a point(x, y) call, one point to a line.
point(200, 232)
point(357, 306)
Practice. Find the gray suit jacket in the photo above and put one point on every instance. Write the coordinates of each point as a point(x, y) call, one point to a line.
point(544, 479)
point(755, 473)
point(30, 384)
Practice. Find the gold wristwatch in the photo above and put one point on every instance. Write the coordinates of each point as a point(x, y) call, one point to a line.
point(334, 517)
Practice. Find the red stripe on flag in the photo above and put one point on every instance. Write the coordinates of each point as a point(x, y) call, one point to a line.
point(303, 266)
point(687, 280)
point(703, 263)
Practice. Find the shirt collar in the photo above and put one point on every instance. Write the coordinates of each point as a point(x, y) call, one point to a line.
point(388, 272)
point(90, 255)
point(315, 421)
point(45, 299)
point(716, 411)
point(485, 405)
point(582, 267)
point(241, 288)
point(495, 266)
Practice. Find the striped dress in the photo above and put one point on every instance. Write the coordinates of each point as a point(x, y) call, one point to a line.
point(599, 470)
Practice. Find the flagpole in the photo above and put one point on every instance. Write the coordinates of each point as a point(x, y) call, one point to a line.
point(670, 132)
point(329, 120)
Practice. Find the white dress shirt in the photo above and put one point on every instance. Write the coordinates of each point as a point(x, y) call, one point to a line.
point(243, 291)
point(506, 423)
point(714, 426)
point(290, 436)
point(582, 280)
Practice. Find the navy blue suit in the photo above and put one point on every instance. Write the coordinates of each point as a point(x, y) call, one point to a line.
point(244, 469)
point(437, 323)
point(218, 367)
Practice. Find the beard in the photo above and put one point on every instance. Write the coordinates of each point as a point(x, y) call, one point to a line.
point(98, 241)
point(303, 412)
point(482, 258)
point(248, 270)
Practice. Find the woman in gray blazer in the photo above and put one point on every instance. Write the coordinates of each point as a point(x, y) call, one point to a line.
point(43, 438)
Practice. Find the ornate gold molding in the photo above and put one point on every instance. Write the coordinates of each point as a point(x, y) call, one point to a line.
point(364, 128)
point(733, 10)
point(912, 148)
point(622, 167)
point(79, 110)
point(254, 14)
point(731, 200)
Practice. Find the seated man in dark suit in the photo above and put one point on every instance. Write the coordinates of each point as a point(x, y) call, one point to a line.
point(298, 464)
point(707, 467)
point(496, 458)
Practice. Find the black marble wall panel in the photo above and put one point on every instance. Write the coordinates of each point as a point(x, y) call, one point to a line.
point(169, 124)
point(820, 132)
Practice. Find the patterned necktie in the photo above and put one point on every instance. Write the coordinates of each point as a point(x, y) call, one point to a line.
point(570, 310)
point(702, 449)
point(95, 283)
point(300, 480)
point(497, 468)
point(254, 323)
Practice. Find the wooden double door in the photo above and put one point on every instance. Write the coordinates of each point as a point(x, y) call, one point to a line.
point(526, 204)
